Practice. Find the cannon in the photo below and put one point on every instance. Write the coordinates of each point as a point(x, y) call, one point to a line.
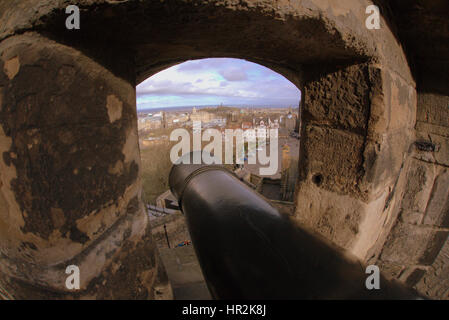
point(248, 250)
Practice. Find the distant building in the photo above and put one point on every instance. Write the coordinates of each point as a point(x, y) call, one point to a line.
point(155, 124)
point(246, 125)
point(274, 124)
point(290, 122)
point(147, 123)
point(232, 116)
point(283, 133)
point(202, 116)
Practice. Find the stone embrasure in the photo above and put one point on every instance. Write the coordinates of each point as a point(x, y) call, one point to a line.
point(70, 188)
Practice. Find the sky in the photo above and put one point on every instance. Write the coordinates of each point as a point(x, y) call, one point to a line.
point(216, 81)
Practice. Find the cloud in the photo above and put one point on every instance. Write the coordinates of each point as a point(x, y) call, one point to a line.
point(234, 74)
point(215, 81)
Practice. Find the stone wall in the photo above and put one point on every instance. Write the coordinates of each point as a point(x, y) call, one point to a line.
point(413, 252)
point(70, 186)
point(357, 127)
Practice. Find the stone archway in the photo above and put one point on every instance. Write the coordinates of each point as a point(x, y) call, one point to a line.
point(70, 181)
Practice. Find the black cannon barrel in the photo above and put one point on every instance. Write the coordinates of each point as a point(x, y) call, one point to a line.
point(248, 250)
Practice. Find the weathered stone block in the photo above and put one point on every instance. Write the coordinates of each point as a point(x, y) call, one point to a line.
point(340, 99)
point(336, 217)
point(336, 157)
point(431, 147)
point(411, 217)
point(390, 270)
point(400, 102)
point(373, 221)
point(435, 283)
point(425, 128)
point(437, 211)
point(413, 276)
point(441, 153)
point(408, 244)
point(383, 161)
point(433, 108)
point(420, 178)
